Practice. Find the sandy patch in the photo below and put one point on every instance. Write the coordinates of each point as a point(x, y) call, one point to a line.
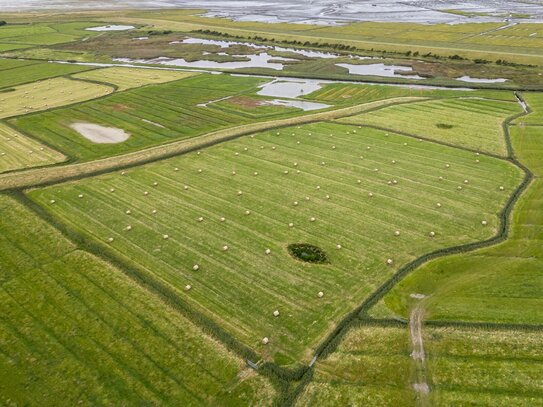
point(100, 134)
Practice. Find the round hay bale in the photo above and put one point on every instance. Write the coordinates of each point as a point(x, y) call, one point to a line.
point(165, 237)
point(196, 267)
point(198, 153)
point(240, 193)
point(225, 248)
point(438, 205)
point(267, 251)
point(447, 166)
point(484, 222)
point(390, 262)
point(233, 172)
point(370, 194)
point(110, 240)
point(265, 340)
point(368, 148)
point(276, 313)
point(247, 212)
point(128, 228)
point(155, 184)
point(112, 190)
point(432, 234)
point(338, 246)
point(318, 187)
point(273, 147)
point(176, 169)
point(286, 172)
point(466, 181)
point(359, 181)
point(502, 188)
point(394, 181)
point(145, 193)
point(295, 203)
point(323, 163)
point(327, 196)
point(312, 219)
point(320, 294)
point(199, 170)
point(459, 187)
point(393, 161)
point(255, 173)
point(307, 198)
point(128, 211)
point(245, 149)
point(154, 211)
point(222, 219)
point(397, 233)
point(188, 287)
point(201, 219)
point(295, 164)
point(185, 187)
point(122, 172)
point(236, 153)
point(52, 201)
point(80, 196)
point(333, 147)
point(290, 225)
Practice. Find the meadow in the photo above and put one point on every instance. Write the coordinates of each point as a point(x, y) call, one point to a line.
point(18, 152)
point(77, 331)
point(363, 195)
point(47, 94)
point(501, 283)
point(465, 122)
point(128, 78)
point(152, 115)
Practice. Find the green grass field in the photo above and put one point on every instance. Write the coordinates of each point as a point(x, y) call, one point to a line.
point(471, 123)
point(152, 115)
point(371, 367)
point(241, 287)
point(16, 72)
point(48, 94)
point(128, 78)
point(503, 283)
point(18, 151)
point(535, 118)
point(76, 331)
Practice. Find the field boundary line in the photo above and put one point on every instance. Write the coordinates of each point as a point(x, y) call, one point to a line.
point(58, 174)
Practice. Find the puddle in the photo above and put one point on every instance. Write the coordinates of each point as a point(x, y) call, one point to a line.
point(284, 88)
point(111, 28)
point(141, 38)
point(480, 80)
point(153, 123)
point(262, 60)
point(299, 104)
point(100, 134)
point(380, 70)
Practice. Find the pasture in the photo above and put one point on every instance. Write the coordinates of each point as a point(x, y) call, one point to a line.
point(48, 94)
point(464, 122)
point(18, 151)
point(221, 220)
point(502, 283)
point(77, 331)
point(152, 115)
point(128, 78)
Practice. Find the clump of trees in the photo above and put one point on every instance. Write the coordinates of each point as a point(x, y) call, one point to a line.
point(2, 22)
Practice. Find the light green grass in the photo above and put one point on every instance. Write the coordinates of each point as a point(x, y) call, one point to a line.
point(503, 283)
point(240, 288)
point(76, 331)
point(48, 94)
point(152, 115)
point(371, 367)
point(480, 367)
point(474, 123)
point(18, 151)
point(29, 71)
point(127, 78)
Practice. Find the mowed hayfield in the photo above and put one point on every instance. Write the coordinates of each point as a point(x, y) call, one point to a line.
point(18, 151)
point(337, 185)
point(151, 115)
point(471, 123)
point(128, 78)
point(371, 367)
point(77, 331)
point(503, 283)
point(45, 33)
point(469, 366)
point(47, 94)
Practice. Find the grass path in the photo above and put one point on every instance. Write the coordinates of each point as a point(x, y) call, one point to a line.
point(26, 179)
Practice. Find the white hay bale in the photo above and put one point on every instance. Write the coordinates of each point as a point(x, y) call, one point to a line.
point(291, 225)
point(154, 211)
point(200, 219)
point(318, 187)
point(484, 222)
point(394, 181)
point(368, 148)
point(222, 219)
point(459, 187)
point(327, 196)
point(128, 228)
point(128, 211)
point(277, 133)
point(267, 251)
point(432, 234)
point(233, 172)
point(295, 164)
point(165, 237)
point(225, 248)
point(155, 184)
point(295, 203)
point(110, 240)
point(145, 193)
point(188, 287)
point(370, 194)
point(440, 178)
point(312, 219)
point(338, 246)
point(198, 153)
point(273, 147)
point(393, 161)
point(185, 187)
point(255, 173)
point(320, 294)
point(466, 181)
point(297, 142)
point(199, 170)
point(307, 198)
point(236, 153)
point(359, 181)
point(376, 169)
point(477, 154)
point(397, 233)
point(389, 182)
point(477, 161)
point(240, 193)
point(502, 188)
point(298, 171)
point(80, 196)
point(404, 144)
point(245, 149)
point(447, 165)
point(52, 201)
point(196, 267)
point(286, 172)
point(247, 212)
point(176, 169)
point(323, 163)
point(276, 313)
point(390, 262)
point(112, 190)
point(333, 147)
point(265, 340)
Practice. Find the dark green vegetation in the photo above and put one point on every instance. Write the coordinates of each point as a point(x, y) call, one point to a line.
point(307, 252)
point(75, 330)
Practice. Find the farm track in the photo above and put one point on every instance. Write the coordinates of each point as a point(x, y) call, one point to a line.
point(57, 174)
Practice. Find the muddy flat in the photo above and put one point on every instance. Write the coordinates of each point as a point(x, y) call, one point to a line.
point(100, 134)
